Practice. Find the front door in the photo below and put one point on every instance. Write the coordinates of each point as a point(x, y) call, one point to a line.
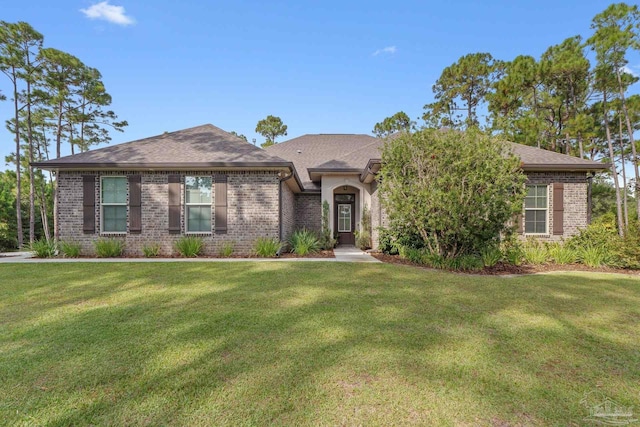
point(345, 216)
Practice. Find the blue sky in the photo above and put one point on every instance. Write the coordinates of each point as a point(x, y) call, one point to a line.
point(323, 67)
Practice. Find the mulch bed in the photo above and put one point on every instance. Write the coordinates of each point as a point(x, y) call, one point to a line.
point(321, 254)
point(502, 269)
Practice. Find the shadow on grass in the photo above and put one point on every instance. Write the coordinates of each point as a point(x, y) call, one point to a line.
point(285, 343)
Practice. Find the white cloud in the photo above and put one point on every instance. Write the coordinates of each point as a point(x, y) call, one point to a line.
point(108, 12)
point(388, 50)
point(627, 69)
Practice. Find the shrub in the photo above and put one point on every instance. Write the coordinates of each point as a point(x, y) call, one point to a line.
point(363, 236)
point(512, 251)
point(465, 263)
point(458, 212)
point(562, 254)
point(386, 241)
point(304, 242)
point(266, 247)
point(593, 256)
point(326, 241)
point(108, 248)
point(44, 248)
point(189, 246)
point(151, 250)
point(433, 260)
point(490, 256)
point(534, 253)
point(70, 249)
point(227, 248)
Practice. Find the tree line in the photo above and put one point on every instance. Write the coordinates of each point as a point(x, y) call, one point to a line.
point(57, 101)
point(561, 101)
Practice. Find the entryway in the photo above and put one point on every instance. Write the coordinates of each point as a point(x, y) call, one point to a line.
point(344, 216)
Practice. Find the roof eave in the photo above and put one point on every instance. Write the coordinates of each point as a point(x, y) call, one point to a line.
point(51, 165)
point(564, 167)
point(316, 173)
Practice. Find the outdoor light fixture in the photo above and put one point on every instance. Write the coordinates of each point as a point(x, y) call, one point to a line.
point(344, 188)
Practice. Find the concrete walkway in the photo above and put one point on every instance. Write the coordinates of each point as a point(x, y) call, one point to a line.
point(352, 254)
point(343, 254)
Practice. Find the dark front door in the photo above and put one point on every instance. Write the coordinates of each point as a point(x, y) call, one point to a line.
point(345, 218)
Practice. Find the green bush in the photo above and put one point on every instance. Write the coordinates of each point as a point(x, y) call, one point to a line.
point(189, 246)
point(594, 256)
point(266, 247)
point(562, 254)
point(70, 249)
point(227, 248)
point(326, 240)
point(458, 212)
point(43, 248)
point(363, 236)
point(304, 242)
point(534, 252)
point(151, 250)
point(465, 263)
point(411, 254)
point(490, 256)
point(386, 241)
point(512, 251)
point(108, 248)
point(433, 260)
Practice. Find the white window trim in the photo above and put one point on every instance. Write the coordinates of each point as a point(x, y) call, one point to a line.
point(524, 219)
point(187, 205)
point(102, 205)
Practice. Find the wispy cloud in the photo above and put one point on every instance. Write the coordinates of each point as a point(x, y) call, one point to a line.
point(629, 70)
point(389, 50)
point(108, 12)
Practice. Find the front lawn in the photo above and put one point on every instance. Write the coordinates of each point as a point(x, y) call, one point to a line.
point(310, 344)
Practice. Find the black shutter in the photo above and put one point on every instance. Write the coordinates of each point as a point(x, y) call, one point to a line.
point(89, 203)
point(174, 203)
point(220, 216)
point(135, 204)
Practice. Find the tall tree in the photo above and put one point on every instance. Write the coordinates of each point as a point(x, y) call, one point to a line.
point(616, 32)
point(399, 122)
point(604, 85)
point(16, 43)
point(462, 87)
point(239, 135)
point(271, 127)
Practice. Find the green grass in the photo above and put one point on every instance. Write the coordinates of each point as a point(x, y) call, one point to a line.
point(310, 344)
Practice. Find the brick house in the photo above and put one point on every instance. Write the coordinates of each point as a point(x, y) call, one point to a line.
point(206, 182)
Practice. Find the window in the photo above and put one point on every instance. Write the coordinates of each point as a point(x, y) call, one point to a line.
point(344, 218)
point(535, 209)
point(198, 204)
point(113, 202)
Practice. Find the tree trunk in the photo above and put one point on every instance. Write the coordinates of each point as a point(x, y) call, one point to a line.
point(43, 200)
point(632, 142)
point(18, 180)
point(32, 186)
point(614, 171)
point(580, 146)
point(624, 174)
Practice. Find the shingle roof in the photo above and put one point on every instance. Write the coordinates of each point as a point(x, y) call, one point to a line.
point(536, 158)
point(200, 146)
point(311, 151)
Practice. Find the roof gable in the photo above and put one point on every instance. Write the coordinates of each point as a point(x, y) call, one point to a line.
point(200, 146)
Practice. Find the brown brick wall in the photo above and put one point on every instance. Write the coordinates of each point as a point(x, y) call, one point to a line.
point(287, 211)
point(252, 211)
point(308, 212)
point(575, 201)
